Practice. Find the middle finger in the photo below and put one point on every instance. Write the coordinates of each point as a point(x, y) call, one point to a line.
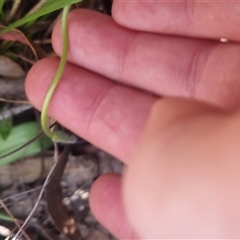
point(170, 66)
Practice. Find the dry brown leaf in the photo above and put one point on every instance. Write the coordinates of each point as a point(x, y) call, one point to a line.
point(18, 36)
point(10, 69)
point(64, 221)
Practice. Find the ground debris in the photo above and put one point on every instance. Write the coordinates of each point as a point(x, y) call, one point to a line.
point(75, 184)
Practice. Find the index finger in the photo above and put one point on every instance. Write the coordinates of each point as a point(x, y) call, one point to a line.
point(197, 18)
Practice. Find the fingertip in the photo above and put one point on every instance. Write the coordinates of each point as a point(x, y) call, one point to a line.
point(38, 80)
point(106, 204)
point(57, 37)
point(76, 18)
point(118, 10)
point(57, 31)
point(73, 16)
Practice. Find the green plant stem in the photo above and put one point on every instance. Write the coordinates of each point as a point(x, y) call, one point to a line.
point(57, 136)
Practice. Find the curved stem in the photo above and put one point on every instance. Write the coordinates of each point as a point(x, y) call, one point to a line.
point(57, 136)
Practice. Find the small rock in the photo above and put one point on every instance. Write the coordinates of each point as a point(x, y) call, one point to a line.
point(108, 163)
point(31, 169)
point(80, 171)
point(5, 176)
point(21, 209)
point(26, 171)
point(97, 235)
point(90, 219)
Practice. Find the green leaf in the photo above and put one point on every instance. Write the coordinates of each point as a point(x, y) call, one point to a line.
point(20, 135)
point(1, 9)
point(46, 9)
point(6, 125)
point(6, 217)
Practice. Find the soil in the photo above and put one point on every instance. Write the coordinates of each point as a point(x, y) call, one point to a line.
point(21, 182)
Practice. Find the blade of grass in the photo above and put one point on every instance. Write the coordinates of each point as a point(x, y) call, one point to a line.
point(56, 5)
point(6, 45)
point(6, 217)
point(38, 6)
point(1, 10)
point(15, 7)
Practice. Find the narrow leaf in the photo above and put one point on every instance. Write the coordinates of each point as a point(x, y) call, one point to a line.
point(1, 9)
point(19, 36)
point(46, 9)
point(6, 217)
point(6, 125)
point(21, 134)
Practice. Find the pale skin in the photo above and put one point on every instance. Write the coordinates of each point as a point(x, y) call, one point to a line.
point(182, 155)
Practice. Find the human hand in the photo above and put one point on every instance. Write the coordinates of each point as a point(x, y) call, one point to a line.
point(181, 179)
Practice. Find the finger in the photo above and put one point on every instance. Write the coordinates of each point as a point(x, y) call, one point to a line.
point(169, 66)
point(206, 19)
point(106, 205)
point(104, 113)
point(182, 181)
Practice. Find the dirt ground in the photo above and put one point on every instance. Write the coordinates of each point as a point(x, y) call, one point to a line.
point(21, 182)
